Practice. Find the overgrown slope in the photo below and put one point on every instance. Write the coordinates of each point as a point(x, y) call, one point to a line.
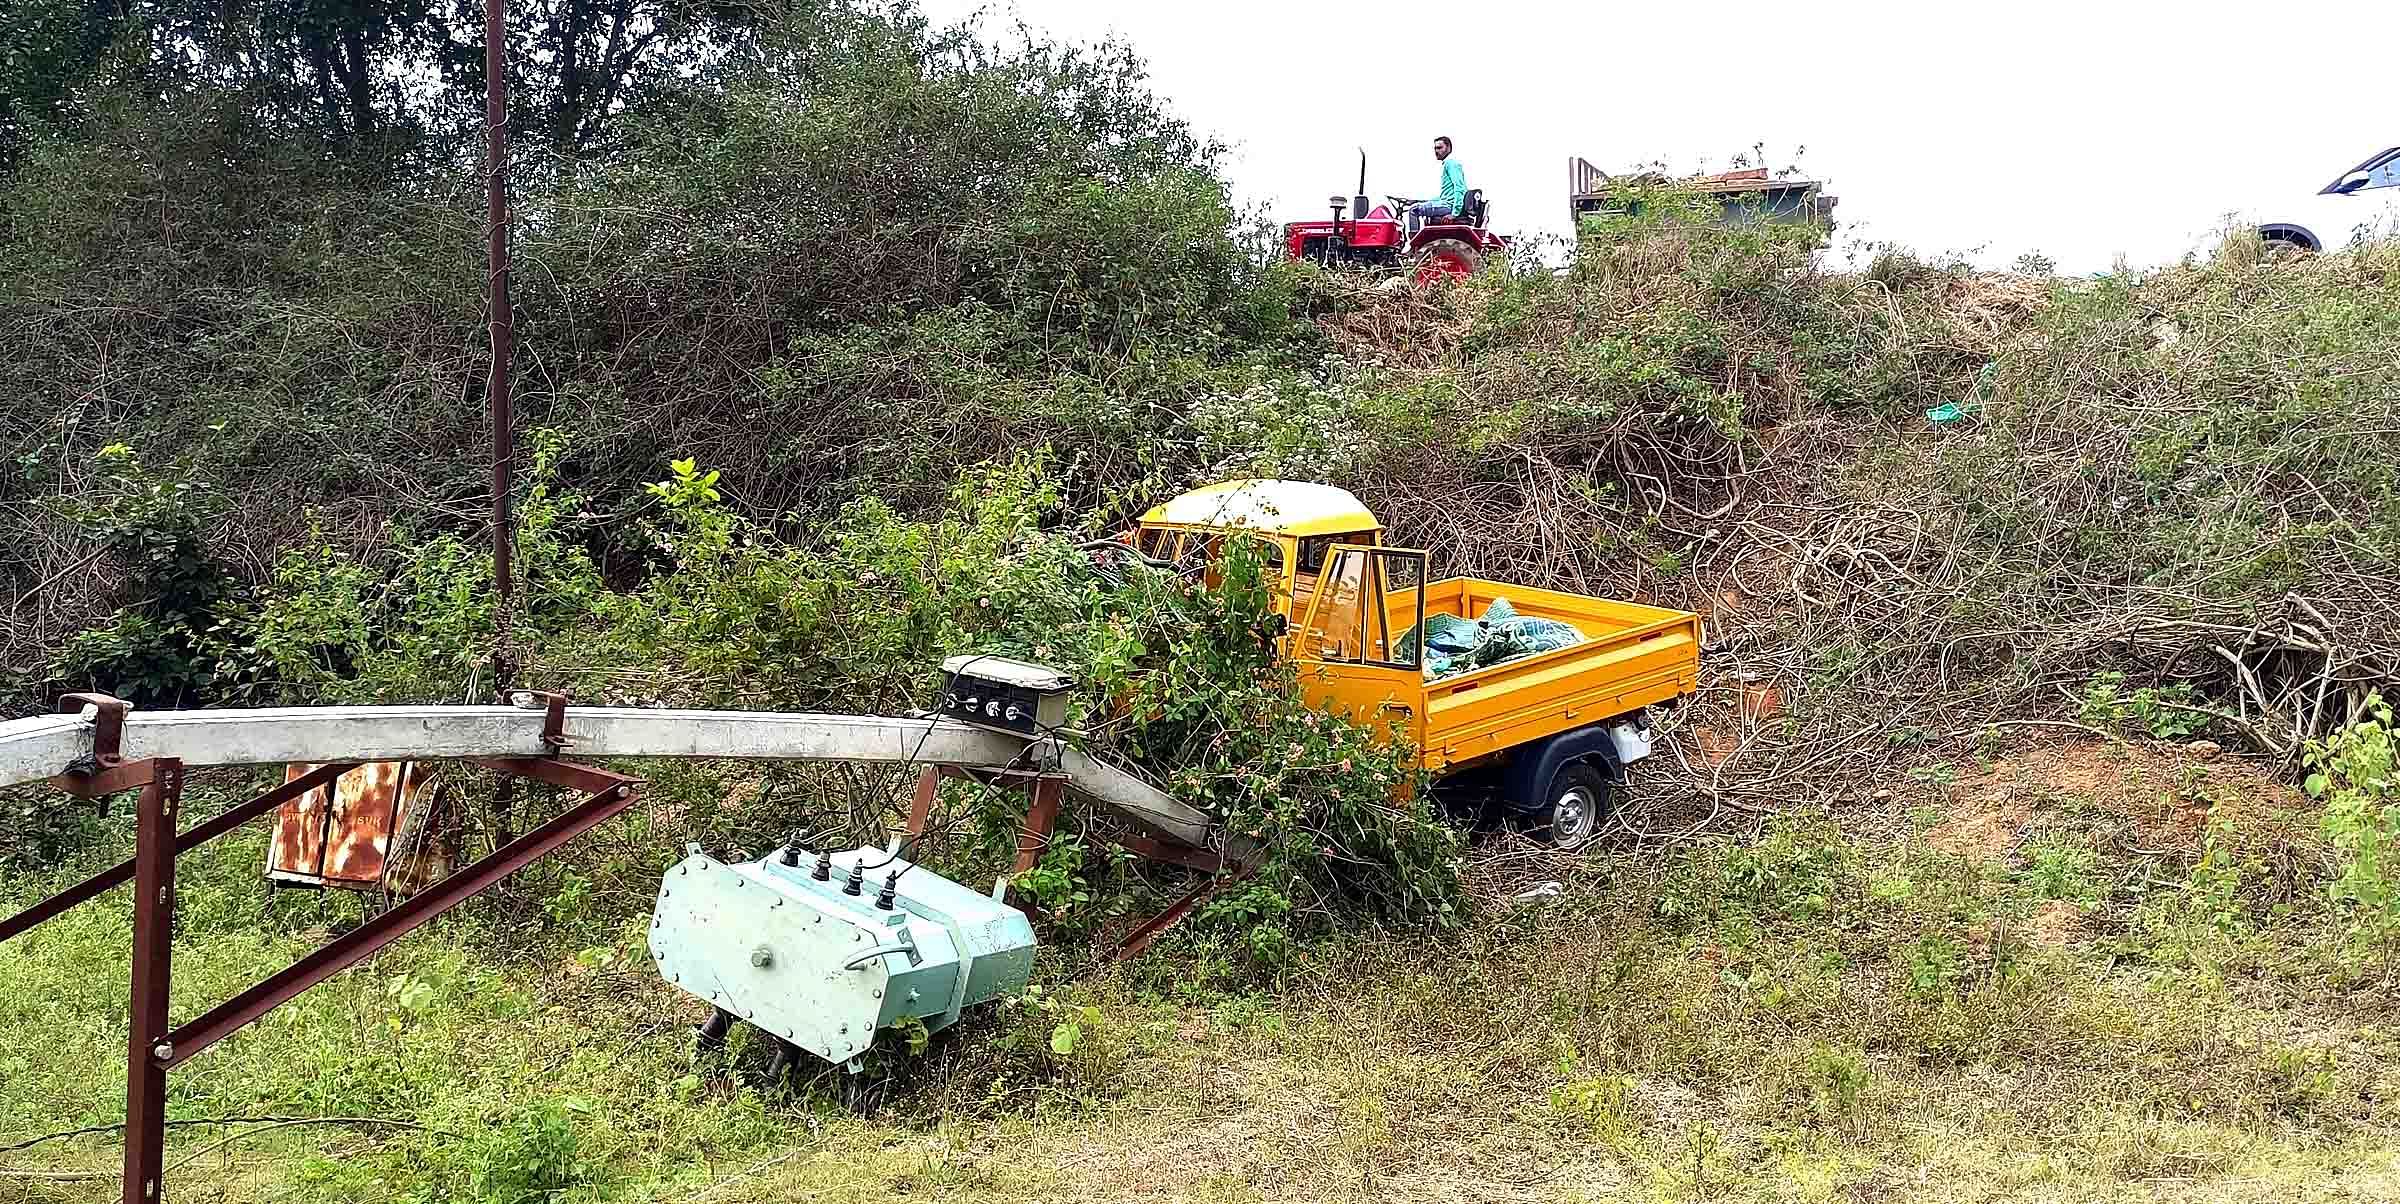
point(830, 355)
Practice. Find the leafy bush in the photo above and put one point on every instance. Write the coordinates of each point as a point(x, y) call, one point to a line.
point(530, 1158)
point(2357, 775)
point(2063, 870)
point(1837, 1081)
point(2164, 713)
point(1596, 1103)
point(167, 643)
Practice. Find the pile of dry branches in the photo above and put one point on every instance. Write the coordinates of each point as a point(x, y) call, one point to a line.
point(1880, 584)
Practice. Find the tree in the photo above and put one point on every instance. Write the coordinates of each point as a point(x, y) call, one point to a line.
point(46, 48)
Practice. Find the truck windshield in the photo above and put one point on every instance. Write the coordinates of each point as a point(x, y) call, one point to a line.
point(1270, 559)
point(1202, 552)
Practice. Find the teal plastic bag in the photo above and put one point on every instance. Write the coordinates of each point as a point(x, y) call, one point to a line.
point(1454, 645)
point(1951, 411)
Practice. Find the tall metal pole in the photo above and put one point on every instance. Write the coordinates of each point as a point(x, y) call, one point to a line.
point(147, 1053)
point(495, 121)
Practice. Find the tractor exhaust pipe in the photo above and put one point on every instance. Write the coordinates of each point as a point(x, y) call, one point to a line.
point(1358, 202)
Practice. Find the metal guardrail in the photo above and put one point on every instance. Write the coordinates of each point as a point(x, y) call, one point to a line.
point(45, 747)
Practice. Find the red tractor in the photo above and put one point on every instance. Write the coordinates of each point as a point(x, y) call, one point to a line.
point(1356, 236)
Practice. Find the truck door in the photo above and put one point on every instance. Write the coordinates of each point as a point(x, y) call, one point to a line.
point(1357, 649)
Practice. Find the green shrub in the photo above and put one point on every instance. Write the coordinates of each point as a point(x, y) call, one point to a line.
point(528, 1158)
point(2354, 773)
point(2164, 713)
point(2063, 869)
point(166, 644)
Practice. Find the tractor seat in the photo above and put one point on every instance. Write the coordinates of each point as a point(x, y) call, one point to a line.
point(1476, 211)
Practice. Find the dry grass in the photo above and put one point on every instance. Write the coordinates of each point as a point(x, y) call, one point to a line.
point(1853, 1009)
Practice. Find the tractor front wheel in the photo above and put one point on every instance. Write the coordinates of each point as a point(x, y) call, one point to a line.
point(1445, 259)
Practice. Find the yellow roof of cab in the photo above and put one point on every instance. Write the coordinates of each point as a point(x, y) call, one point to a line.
point(1299, 508)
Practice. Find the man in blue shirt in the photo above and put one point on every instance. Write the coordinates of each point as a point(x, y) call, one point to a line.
point(1453, 198)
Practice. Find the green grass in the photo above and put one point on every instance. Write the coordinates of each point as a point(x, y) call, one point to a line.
point(1770, 1020)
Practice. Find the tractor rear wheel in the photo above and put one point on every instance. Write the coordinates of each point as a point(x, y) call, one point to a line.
point(1444, 259)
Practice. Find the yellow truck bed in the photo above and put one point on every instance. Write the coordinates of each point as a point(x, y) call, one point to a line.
point(1632, 656)
point(1545, 737)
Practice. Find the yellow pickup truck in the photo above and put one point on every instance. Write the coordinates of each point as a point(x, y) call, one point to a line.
point(1531, 699)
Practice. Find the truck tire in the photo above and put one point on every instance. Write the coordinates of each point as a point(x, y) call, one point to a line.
point(1444, 259)
point(1573, 806)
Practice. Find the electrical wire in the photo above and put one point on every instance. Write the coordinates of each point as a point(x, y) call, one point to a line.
point(1041, 736)
point(987, 786)
point(930, 724)
point(909, 844)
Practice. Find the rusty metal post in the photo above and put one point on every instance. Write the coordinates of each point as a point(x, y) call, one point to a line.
point(153, 938)
point(1040, 817)
point(496, 391)
point(503, 321)
point(920, 808)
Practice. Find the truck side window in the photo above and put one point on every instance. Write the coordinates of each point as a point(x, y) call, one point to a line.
point(1338, 633)
point(1270, 559)
point(1314, 548)
point(1156, 544)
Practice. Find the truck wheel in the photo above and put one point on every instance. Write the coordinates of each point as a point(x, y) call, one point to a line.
point(1445, 259)
point(1575, 804)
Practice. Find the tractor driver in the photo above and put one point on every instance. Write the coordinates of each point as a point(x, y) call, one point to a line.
point(1453, 197)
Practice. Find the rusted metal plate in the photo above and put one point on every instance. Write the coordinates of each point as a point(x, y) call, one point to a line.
point(365, 802)
point(296, 847)
point(343, 835)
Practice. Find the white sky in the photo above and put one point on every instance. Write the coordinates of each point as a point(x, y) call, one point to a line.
point(2080, 130)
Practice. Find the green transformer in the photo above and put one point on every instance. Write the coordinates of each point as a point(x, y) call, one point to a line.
point(823, 951)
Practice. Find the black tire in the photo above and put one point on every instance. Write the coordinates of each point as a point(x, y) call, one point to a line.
point(2283, 242)
point(1573, 806)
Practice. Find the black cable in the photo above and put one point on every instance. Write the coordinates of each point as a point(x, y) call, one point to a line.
point(909, 844)
point(1041, 734)
point(912, 841)
point(919, 750)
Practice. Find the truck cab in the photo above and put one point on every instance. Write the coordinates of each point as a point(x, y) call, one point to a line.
point(1527, 698)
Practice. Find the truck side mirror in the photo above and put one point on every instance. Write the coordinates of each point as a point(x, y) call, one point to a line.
point(1270, 631)
point(2352, 183)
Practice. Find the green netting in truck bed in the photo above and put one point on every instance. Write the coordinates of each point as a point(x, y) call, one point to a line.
point(1455, 645)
